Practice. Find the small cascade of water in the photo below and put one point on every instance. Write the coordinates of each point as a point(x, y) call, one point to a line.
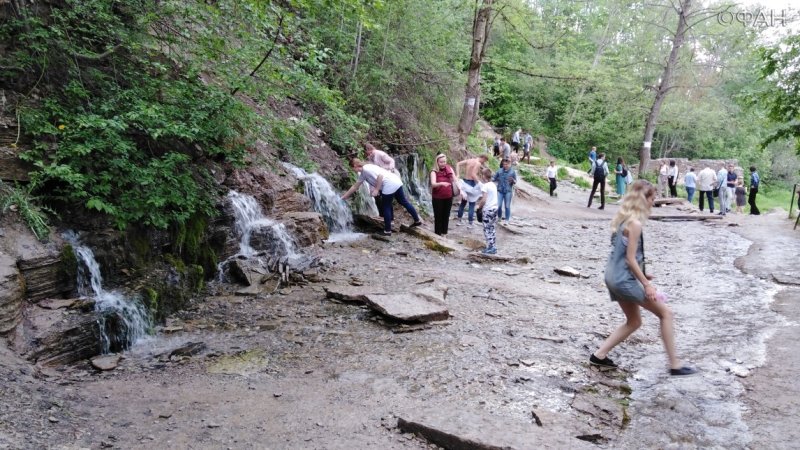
point(250, 220)
point(326, 201)
point(123, 319)
point(415, 180)
point(363, 202)
point(263, 243)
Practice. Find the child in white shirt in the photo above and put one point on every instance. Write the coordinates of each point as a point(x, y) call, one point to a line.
point(488, 203)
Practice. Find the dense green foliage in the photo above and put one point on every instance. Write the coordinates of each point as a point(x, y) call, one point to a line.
point(582, 74)
point(116, 126)
point(127, 102)
point(782, 97)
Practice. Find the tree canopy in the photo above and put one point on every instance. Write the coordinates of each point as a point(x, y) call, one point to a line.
point(116, 96)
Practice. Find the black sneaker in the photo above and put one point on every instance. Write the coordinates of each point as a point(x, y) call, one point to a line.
point(416, 224)
point(605, 362)
point(682, 372)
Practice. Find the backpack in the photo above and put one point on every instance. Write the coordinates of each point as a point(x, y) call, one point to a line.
point(599, 171)
point(624, 171)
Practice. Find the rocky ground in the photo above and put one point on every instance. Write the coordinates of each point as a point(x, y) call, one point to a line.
point(294, 369)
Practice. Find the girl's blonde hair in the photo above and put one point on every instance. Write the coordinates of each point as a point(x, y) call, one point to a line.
point(436, 164)
point(635, 205)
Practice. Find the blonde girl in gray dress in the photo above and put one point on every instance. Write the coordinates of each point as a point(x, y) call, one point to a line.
point(627, 282)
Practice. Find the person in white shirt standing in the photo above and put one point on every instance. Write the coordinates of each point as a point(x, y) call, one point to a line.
point(489, 204)
point(690, 181)
point(386, 185)
point(552, 171)
point(705, 184)
point(672, 179)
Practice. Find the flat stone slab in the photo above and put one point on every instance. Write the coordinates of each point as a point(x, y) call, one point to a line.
point(421, 305)
point(52, 303)
point(409, 307)
point(106, 362)
point(352, 294)
point(468, 430)
point(567, 271)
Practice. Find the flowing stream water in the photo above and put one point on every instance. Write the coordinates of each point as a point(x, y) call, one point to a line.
point(123, 319)
point(415, 180)
point(723, 320)
point(250, 219)
point(337, 215)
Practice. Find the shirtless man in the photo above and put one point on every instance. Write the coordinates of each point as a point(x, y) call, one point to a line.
point(471, 168)
point(379, 158)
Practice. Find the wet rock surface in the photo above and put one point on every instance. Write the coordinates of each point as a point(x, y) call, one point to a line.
point(294, 369)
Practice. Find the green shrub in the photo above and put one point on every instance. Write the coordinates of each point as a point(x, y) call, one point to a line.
point(537, 181)
point(563, 173)
point(27, 206)
point(582, 182)
point(117, 128)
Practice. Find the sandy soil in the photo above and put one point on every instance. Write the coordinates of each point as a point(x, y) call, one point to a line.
point(295, 370)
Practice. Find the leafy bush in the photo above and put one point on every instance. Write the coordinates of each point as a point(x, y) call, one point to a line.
point(119, 127)
point(563, 173)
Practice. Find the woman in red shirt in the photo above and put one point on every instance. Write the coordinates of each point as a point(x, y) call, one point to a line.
point(442, 180)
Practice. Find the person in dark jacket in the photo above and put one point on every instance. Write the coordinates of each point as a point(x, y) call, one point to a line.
point(755, 181)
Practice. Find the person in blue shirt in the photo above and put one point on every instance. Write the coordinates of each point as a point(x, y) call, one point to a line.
point(592, 158)
point(505, 178)
point(755, 180)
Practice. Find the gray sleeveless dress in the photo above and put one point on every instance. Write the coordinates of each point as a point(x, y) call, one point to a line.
point(621, 284)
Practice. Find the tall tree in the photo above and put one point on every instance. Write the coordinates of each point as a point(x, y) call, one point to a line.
point(481, 27)
point(683, 10)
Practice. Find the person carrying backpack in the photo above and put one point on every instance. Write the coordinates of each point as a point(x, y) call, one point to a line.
point(621, 172)
point(599, 172)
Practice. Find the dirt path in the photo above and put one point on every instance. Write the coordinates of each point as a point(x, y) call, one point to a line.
point(295, 370)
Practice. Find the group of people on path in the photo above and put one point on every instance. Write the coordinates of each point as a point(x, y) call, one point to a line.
point(598, 169)
point(483, 193)
point(627, 281)
point(380, 173)
point(724, 184)
point(480, 188)
point(520, 138)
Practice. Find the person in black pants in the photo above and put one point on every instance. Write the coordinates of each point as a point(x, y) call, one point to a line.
point(599, 172)
point(672, 179)
point(755, 180)
point(442, 180)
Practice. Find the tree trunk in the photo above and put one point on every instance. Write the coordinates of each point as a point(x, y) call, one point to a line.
point(357, 52)
point(664, 86)
point(481, 27)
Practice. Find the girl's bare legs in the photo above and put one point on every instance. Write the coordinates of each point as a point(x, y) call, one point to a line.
point(664, 315)
point(633, 320)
